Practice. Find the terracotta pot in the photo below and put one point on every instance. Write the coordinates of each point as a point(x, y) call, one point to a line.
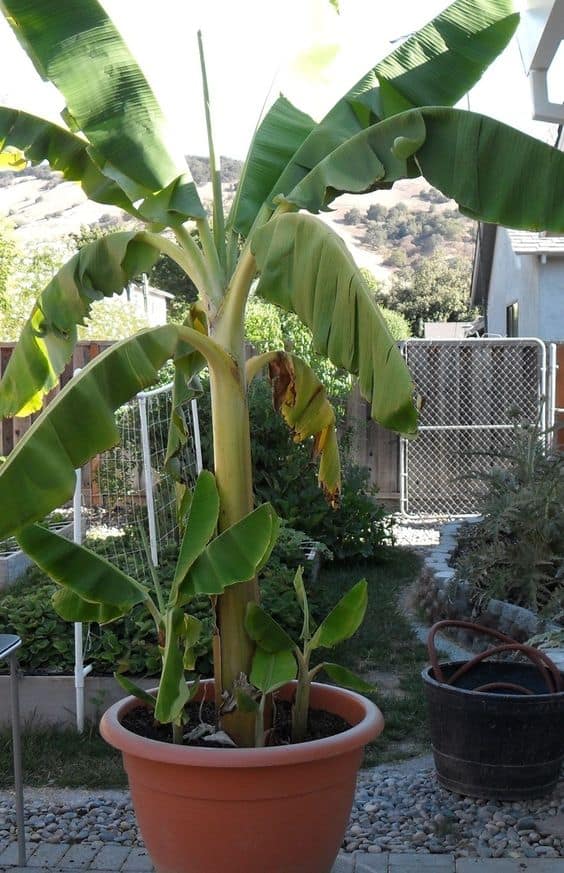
point(281, 810)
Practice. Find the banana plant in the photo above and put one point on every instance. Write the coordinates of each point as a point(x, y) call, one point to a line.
point(396, 122)
point(278, 659)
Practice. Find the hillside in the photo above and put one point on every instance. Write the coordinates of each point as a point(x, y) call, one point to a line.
point(43, 208)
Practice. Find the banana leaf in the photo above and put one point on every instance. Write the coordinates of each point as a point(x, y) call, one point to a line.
point(437, 65)
point(483, 164)
point(39, 474)
point(41, 140)
point(98, 270)
point(88, 576)
point(236, 555)
point(300, 397)
point(77, 47)
point(306, 268)
point(281, 132)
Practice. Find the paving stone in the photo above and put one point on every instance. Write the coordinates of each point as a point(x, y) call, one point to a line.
point(10, 855)
point(110, 858)
point(507, 865)
point(48, 854)
point(344, 864)
point(78, 857)
point(138, 861)
point(402, 863)
point(371, 863)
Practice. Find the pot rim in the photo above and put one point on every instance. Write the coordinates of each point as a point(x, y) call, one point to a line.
point(455, 689)
point(369, 726)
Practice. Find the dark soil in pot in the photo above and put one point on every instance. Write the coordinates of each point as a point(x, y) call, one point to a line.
point(321, 724)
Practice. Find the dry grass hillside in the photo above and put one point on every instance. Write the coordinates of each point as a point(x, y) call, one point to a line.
point(43, 208)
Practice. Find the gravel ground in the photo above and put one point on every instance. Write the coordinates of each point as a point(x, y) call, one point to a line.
point(409, 812)
point(398, 808)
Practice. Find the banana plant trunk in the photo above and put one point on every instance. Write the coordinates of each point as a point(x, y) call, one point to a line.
point(233, 650)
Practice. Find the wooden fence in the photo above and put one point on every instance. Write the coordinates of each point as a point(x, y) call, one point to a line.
point(13, 429)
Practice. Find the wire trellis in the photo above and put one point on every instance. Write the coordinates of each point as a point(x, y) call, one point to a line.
point(128, 489)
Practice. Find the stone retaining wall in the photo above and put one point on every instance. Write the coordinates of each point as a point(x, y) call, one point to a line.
point(439, 595)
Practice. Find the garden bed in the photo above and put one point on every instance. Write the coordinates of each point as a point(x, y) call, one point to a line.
point(440, 594)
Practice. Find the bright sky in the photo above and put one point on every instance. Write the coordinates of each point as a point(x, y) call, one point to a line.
point(256, 49)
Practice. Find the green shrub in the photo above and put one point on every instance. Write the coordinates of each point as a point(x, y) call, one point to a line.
point(515, 552)
point(285, 474)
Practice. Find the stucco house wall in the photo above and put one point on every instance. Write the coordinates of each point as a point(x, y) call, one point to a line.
point(528, 269)
point(514, 278)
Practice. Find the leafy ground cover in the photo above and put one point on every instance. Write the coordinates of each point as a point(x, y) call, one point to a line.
point(384, 650)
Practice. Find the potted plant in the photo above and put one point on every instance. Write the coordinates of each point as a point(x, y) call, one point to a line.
point(241, 806)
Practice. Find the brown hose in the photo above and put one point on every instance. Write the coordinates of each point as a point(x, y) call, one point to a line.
point(547, 668)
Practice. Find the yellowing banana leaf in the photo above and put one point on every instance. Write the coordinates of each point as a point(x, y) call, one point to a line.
point(236, 555)
point(301, 399)
point(77, 48)
point(200, 526)
point(88, 576)
point(100, 269)
point(41, 140)
point(174, 692)
point(12, 159)
point(277, 138)
point(38, 475)
point(437, 65)
point(305, 268)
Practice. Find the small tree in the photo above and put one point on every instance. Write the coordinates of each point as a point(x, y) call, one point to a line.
point(437, 290)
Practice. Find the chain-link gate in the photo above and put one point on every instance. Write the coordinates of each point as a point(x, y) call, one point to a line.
point(469, 389)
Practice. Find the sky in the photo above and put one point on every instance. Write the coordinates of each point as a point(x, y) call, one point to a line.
point(256, 49)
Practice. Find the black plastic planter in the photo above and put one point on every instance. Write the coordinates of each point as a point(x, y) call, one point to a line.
point(497, 743)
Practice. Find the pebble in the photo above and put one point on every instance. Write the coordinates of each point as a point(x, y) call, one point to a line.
point(410, 812)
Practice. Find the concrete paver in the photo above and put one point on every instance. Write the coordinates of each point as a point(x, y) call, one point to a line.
point(78, 857)
point(401, 863)
point(48, 855)
point(508, 865)
point(138, 861)
point(110, 858)
point(124, 860)
point(372, 863)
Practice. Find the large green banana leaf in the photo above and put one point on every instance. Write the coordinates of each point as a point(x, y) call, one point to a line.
point(100, 269)
point(306, 268)
point(486, 166)
point(437, 65)
point(91, 579)
point(41, 140)
point(77, 48)
point(38, 475)
point(278, 137)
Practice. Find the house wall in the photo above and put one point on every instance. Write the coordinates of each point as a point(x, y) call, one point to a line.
point(513, 278)
point(551, 301)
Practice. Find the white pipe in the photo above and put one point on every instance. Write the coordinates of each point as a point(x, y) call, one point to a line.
point(148, 478)
point(78, 643)
point(197, 440)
